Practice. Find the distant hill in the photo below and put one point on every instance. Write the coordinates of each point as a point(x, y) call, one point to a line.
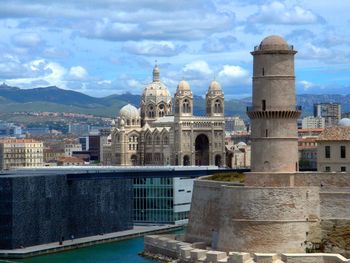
point(13, 99)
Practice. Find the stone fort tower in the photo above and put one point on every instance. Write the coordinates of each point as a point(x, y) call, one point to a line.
point(274, 113)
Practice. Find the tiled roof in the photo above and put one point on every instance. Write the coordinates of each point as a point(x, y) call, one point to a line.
point(338, 133)
point(19, 141)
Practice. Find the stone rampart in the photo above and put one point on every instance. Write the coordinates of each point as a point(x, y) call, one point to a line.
point(301, 218)
point(334, 179)
point(207, 196)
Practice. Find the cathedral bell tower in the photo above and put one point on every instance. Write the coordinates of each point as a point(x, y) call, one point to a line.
point(215, 100)
point(183, 100)
point(274, 112)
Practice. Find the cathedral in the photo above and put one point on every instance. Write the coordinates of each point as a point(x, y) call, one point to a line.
point(154, 134)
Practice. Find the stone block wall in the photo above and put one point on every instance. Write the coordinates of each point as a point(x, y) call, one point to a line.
point(204, 218)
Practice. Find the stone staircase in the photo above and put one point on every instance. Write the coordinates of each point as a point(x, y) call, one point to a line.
point(185, 252)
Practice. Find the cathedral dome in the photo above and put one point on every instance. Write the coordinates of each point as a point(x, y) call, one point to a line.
point(129, 112)
point(156, 90)
point(183, 85)
point(214, 85)
point(274, 42)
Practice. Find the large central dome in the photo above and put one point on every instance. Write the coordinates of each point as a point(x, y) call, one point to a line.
point(156, 99)
point(156, 91)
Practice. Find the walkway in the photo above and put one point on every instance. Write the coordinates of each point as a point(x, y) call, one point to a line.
point(85, 241)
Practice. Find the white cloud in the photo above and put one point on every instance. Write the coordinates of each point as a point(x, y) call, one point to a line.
point(233, 72)
point(198, 66)
point(27, 39)
point(279, 13)
point(78, 73)
point(153, 48)
point(306, 85)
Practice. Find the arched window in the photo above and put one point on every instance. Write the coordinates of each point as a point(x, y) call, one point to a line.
point(161, 110)
point(217, 107)
point(127, 122)
point(186, 108)
point(165, 140)
point(150, 112)
point(149, 139)
point(157, 140)
point(177, 106)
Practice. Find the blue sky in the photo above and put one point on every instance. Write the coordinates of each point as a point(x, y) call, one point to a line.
point(103, 47)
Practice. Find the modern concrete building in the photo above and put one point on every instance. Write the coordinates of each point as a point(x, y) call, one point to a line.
point(311, 122)
point(154, 135)
point(164, 200)
point(330, 111)
point(20, 153)
point(47, 204)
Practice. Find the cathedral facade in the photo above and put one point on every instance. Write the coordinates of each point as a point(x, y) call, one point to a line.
point(154, 134)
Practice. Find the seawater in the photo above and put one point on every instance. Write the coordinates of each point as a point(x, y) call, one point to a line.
point(125, 251)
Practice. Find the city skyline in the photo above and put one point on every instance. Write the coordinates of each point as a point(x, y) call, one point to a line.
point(107, 47)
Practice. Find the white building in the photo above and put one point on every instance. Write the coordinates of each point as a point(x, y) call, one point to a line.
point(70, 147)
point(234, 124)
point(311, 122)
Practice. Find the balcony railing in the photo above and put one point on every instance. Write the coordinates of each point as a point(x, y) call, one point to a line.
point(273, 47)
point(274, 108)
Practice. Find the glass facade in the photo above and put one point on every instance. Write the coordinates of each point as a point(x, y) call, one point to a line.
point(154, 200)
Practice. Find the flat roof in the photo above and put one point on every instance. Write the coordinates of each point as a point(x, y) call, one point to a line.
point(76, 172)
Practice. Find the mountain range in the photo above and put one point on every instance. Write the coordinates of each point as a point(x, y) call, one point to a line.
point(54, 99)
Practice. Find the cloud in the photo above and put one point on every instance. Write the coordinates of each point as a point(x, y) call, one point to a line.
point(197, 69)
point(78, 73)
point(306, 85)
point(153, 48)
point(220, 44)
point(323, 54)
point(27, 39)
point(279, 13)
point(233, 72)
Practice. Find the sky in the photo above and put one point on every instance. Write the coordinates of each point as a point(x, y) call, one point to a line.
point(104, 47)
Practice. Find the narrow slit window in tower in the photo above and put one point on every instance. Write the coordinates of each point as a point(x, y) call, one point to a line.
point(263, 71)
point(263, 105)
point(266, 133)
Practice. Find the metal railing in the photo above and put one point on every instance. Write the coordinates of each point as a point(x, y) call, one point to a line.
point(273, 47)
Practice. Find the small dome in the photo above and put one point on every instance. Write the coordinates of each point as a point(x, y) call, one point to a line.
point(241, 144)
point(214, 85)
point(183, 85)
point(344, 122)
point(273, 42)
point(129, 112)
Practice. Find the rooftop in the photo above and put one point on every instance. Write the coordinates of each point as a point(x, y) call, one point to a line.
point(19, 141)
point(338, 133)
